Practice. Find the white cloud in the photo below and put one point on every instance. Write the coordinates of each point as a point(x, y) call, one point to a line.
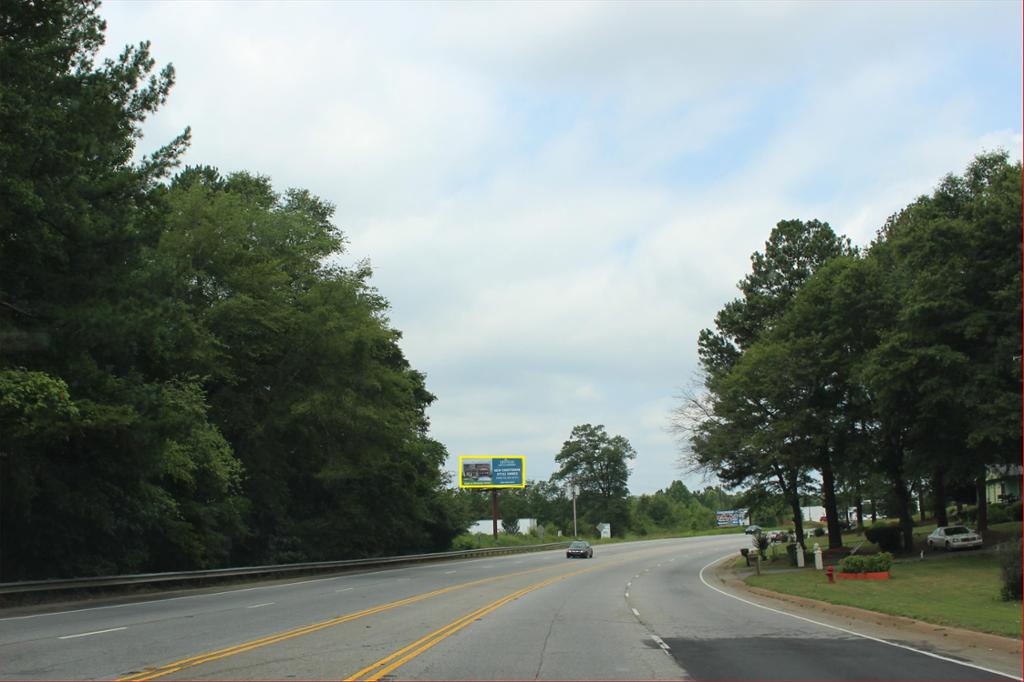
point(556, 197)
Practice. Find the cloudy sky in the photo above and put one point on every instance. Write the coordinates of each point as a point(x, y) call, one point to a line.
point(556, 198)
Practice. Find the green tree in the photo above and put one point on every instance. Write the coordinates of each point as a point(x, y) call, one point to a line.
point(831, 323)
point(794, 250)
point(133, 476)
point(740, 428)
point(599, 465)
point(305, 375)
point(187, 379)
point(948, 364)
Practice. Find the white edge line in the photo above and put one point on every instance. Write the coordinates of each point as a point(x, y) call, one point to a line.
point(661, 643)
point(256, 606)
point(96, 632)
point(345, 589)
point(849, 632)
point(636, 613)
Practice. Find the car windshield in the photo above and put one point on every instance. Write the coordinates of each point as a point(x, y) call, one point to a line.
point(578, 545)
point(957, 530)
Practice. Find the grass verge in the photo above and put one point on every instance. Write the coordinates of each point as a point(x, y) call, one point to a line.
point(961, 592)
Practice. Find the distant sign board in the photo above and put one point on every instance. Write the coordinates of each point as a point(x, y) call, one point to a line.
point(731, 517)
point(492, 472)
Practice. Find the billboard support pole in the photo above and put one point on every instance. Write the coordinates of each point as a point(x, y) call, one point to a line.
point(494, 511)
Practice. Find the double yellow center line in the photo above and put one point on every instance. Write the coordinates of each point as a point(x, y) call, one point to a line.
point(169, 668)
point(404, 655)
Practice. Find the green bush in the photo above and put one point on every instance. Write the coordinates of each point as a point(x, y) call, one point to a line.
point(1010, 563)
point(1014, 511)
point(867, 563)
point(885, 536)
point(463, 542)
point(997, 514)
point(761, 542)
point(819, 532)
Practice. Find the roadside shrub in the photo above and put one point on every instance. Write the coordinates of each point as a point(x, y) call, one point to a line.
point(887, 537)
point(1010, 563)
point(819, 532)
point(761, 542)
point(463, 542)
point(997, 514)
point(1014, 511)
point(867, 563)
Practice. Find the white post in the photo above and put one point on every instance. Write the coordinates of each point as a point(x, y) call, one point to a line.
point(799, 555)
point(817, 557)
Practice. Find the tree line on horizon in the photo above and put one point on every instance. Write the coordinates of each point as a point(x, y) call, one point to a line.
point(597, 465)
point(887, 372)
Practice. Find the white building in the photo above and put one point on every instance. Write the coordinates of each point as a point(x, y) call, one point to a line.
point(486, 526)
point(812, 513)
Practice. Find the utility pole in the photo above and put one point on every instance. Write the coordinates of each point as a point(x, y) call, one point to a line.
point(575, 490)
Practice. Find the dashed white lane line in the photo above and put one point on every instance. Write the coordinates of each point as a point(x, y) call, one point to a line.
point(88, 634)
point(629, 584)
point(345, 589)
point(391, 571)
point(636, 613)
point(661, 643)
point(449, 572)
point(849, 632)
point(627, 595)
point(256, 606)
point(169, 599)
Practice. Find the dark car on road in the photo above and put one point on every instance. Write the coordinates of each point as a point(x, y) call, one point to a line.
point(579, 549)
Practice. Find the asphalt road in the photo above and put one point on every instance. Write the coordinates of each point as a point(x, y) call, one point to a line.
point(634, 611)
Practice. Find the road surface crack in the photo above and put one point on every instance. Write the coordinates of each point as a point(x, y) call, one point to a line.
point(544, 646)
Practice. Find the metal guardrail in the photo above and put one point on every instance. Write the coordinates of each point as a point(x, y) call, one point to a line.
point(108, 581)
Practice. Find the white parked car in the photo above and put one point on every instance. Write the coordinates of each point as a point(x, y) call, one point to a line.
point(954, 537)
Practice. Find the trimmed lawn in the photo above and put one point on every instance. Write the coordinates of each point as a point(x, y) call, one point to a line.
point(960, 592)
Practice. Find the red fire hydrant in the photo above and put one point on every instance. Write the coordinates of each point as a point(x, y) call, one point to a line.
point(828, 572)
